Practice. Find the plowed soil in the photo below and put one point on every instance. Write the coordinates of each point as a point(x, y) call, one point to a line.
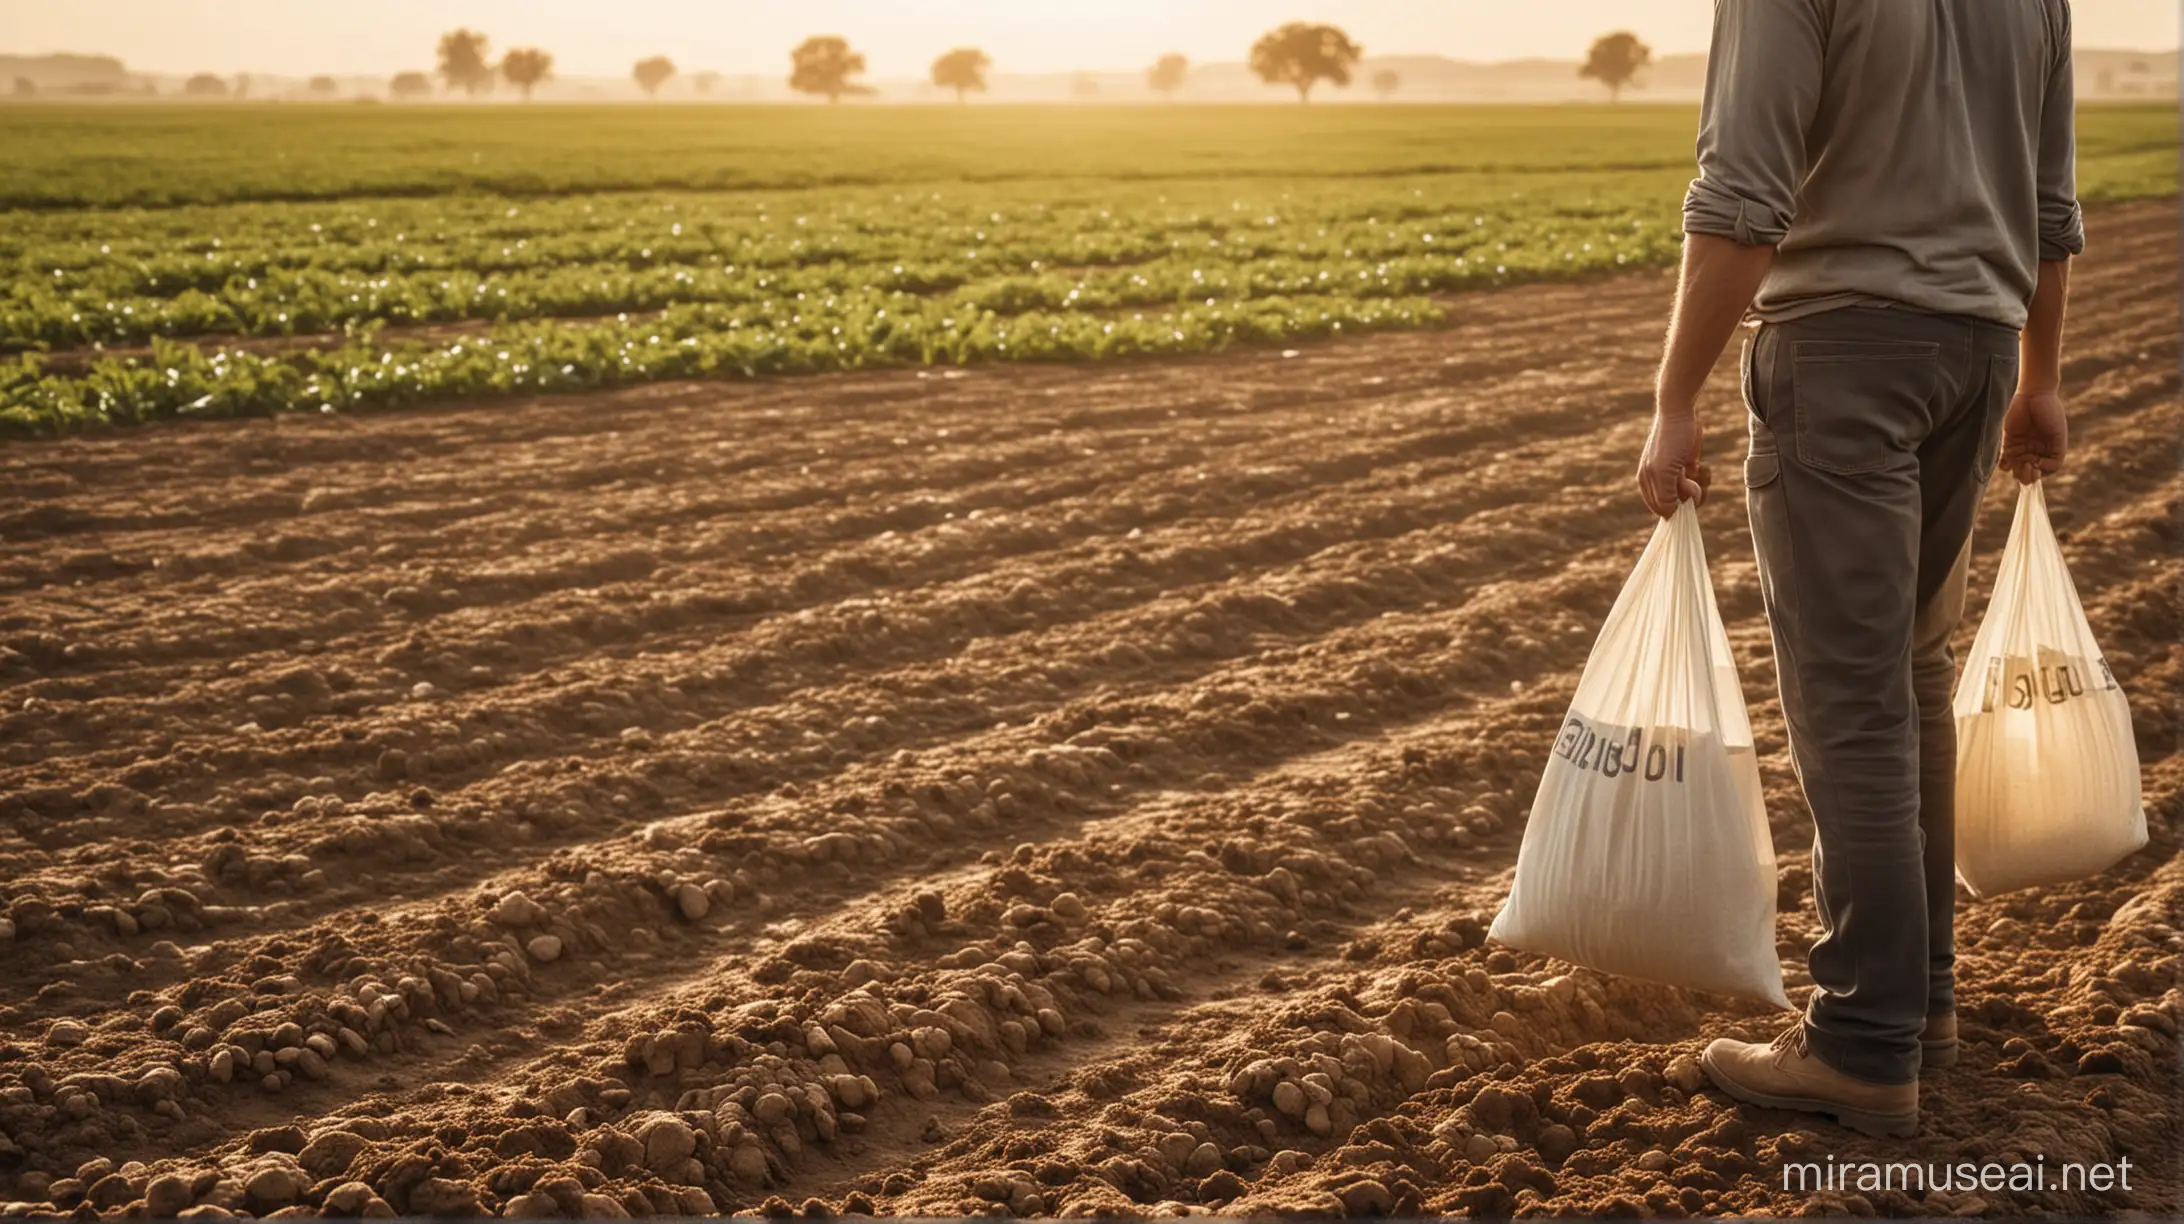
point(1033, 790)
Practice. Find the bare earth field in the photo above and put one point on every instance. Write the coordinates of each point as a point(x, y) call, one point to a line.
point(1066, 790)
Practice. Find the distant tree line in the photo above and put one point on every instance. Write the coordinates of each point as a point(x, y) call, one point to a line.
point(1301, 55)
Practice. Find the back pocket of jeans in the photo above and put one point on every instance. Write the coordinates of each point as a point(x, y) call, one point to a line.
point(1859, 403)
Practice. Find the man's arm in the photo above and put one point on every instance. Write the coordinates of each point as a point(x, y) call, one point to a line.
point(1719, 280)
point(2035, 430)
point(1762, 87)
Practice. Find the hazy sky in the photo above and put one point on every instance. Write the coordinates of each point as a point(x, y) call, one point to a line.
point(899, 37)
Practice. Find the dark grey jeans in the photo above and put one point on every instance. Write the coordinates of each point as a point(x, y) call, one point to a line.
point(1874, 432)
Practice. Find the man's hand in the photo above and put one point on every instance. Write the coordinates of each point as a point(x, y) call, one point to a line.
point(1669, 472)
point(2034, 435)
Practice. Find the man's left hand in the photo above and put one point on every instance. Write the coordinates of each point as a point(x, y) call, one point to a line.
point(1669, 472)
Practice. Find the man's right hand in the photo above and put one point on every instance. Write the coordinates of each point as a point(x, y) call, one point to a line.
point(2034, 435)
point(1669, 471)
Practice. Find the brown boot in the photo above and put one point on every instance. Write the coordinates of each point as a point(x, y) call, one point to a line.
point(1938, 1044)
point(1785, 1075)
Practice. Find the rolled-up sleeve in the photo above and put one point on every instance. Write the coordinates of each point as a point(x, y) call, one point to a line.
point(2062, 227)
point(1762, 87)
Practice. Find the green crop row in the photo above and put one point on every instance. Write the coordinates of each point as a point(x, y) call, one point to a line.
point(188, 381)
point(276, 270)
point(304, 302)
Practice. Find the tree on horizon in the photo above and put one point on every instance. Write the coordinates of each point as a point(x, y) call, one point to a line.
point(409, 85)
point(462, 62)
point(1615, 61)
point(705, 82)
point(652, 73)
point(963, 70)
point(1301, 54)
point(526, 68)
point(823, 64)
point(1167, 74)
point(1386, 82)
point(323, 87)
point(204, 85)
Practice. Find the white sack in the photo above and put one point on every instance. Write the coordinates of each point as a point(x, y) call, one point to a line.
point(2047, 770)
point(1647, 852)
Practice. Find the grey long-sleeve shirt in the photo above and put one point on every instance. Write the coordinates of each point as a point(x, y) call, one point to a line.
point(1912, 153)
